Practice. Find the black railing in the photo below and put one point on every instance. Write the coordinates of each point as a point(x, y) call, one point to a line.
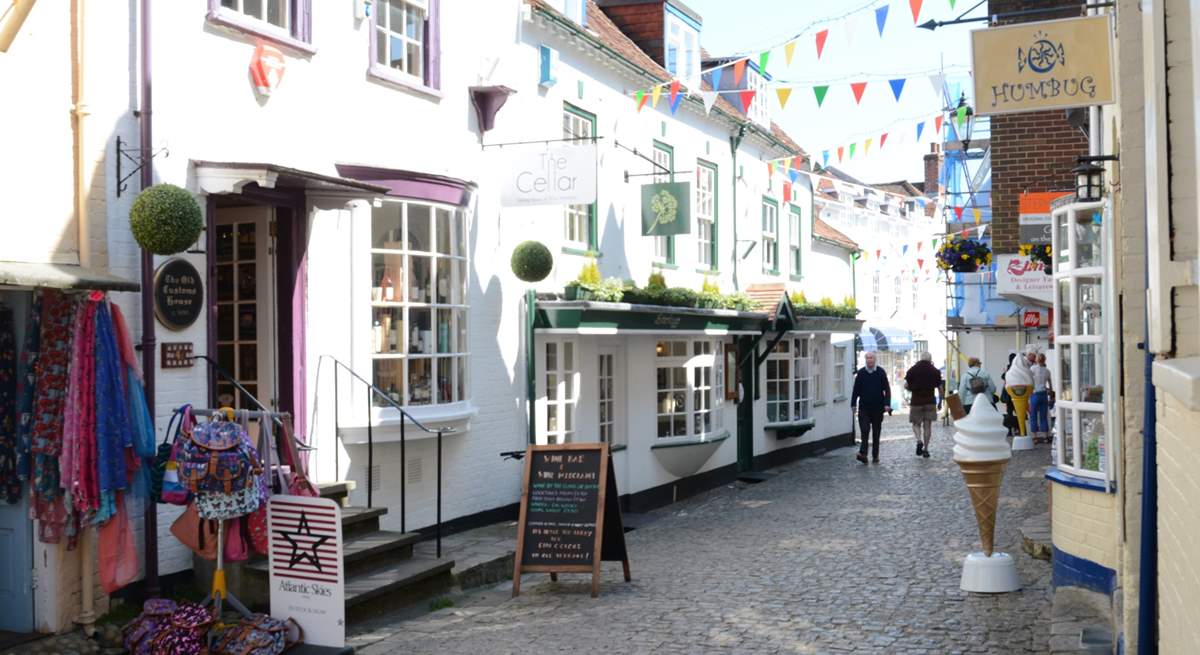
point(405, 417)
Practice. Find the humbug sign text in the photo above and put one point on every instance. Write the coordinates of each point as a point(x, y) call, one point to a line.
point(1047, 65)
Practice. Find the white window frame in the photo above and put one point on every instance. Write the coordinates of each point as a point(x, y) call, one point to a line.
point(577, 219)
point(770, 236)
point(699, 398)
point(441, 296)
point(286, 29)
point(793, 391)
point(839, 371)
point(662, 155)
point(385, 32)
point(706, 214)
point(609, 396)
point(558, 395)
point(817, 389)
point(1073, 411)
point(795, 240)
point(682, 41)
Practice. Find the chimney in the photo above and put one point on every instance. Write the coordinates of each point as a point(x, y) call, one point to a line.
point(933, 165)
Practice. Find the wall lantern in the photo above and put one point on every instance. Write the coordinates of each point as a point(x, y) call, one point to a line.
point(487, 101)
point(1089, 177)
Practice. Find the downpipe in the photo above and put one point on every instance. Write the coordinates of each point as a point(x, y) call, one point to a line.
point(148, 341)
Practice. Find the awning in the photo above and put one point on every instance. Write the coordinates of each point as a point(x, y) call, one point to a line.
point(61, 276)
point(885, 339)
point(232, 177)
point(585, 316)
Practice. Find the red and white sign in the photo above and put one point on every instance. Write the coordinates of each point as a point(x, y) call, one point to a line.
point(266, 68)
point(307, 577)
point(1024, 281)
point(1032, 319)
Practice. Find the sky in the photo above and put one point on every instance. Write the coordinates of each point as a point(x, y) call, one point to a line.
point(854, 51)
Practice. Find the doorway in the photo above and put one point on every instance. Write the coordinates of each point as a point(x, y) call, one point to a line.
point(247, 333)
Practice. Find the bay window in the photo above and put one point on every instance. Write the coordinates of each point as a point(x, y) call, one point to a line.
point(1081, 342)
point(789, 381)
point(689, 388)
point(419, 302)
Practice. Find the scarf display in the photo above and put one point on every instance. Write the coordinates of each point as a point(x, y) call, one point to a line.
point(46, 432)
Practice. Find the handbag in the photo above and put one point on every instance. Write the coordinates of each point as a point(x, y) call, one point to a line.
point(115, 551)
point(186, 632)
point(299, 484)
point(259, 634)
point(138, 635)
point(172, 490)
point(237, 548)
point(196, 533)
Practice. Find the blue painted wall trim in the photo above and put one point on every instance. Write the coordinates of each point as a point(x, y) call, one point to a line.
point(1057, 476)
point(1072, 571)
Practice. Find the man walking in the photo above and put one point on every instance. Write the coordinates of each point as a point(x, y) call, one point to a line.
point(925, 384)
point(872, 395)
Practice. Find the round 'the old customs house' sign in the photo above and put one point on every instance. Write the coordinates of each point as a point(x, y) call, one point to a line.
point(178, 294)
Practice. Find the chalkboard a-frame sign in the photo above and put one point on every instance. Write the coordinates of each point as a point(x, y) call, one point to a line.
point(570, 513)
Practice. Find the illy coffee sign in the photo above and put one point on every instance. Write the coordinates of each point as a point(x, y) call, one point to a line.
point(564, 175)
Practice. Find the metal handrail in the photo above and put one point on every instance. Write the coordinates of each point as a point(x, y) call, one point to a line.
point(404, 417)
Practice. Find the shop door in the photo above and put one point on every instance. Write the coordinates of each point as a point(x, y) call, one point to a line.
point(610, 387)
point(246, 305)
point(745, 406)
point(16, 568)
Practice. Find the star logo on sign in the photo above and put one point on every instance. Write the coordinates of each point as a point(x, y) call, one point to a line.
point(300, 552)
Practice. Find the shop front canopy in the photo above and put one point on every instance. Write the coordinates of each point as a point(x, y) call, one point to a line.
point(590, 317)
point(60, 276)
point(885, 339)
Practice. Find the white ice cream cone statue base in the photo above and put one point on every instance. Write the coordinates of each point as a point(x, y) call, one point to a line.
point(981, 451)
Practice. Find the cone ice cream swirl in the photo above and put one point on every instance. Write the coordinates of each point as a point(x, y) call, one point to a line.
point(981, 450)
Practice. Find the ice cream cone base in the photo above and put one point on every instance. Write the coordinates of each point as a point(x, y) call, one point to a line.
point(995, 574)
point(1022, 443)
point(1020, 401)
point(983, 482)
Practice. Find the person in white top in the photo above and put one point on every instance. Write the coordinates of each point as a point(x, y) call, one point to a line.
point(1039, 402)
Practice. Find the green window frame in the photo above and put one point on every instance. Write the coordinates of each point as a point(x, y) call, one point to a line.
point(770, 235)
point(707, 211)
point(664, 155)
point(579, 220)
point(796, 240)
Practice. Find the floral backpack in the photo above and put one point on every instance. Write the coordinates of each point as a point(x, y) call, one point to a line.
point(259, 634)
point(218, 458)
point(185, 634)
point(139, 633)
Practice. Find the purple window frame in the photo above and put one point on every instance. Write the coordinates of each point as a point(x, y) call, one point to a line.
point(432, 65)
point(299, 38)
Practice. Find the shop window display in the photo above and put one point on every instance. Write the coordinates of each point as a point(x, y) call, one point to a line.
point(419, 303)
point(789, 370)
point(689, 388)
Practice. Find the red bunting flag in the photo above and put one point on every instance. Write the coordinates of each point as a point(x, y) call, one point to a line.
point(796, 162)
point(915, 5)
point(920, 263)
point(747, 97)
point(641, 99)
point(937, 123)
point(787, 191)
point(739, 69)
point(841, 149)
point(821, 36)
point(919, 244)
point(883, 139)
point(674, 90)
point(958, 213)
point(858, 88)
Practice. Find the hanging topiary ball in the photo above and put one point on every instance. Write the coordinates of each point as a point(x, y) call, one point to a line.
point(165, 219)
point(532, 261)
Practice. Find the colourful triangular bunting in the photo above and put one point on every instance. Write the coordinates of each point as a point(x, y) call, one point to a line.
point(866, 146)
point(641, 98)
point(821, 36)
point(961, 116)
point(762, 61)
point(858, 88)
point(716, 78)
point(824, 158)
point(920, 128)
point(788, 50)
point(915, 5)
point(897, 87)
point(710, 98)
point(939, 83)
point(881, 18)
point(655, 94)
point(674, 91)
point(841, 150)
point(882, 139)
point(937, 123)
point(978, 215)
point(739, 69)
point(852, 150)
point(746, 97)
point(784, 92)
point(820, 92)
point(958, 213)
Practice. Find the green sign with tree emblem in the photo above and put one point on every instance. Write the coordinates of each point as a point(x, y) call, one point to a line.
point(666, 209)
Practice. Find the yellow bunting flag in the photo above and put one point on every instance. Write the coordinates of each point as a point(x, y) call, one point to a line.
point(978, 215)
point(867, 146)
point(788, 50)
point(655, 94)
point(784, 92)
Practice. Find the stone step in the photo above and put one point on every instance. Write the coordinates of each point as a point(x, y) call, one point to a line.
point(395, 585)
point(338, 492)
point(360, 520)
point(365, 552)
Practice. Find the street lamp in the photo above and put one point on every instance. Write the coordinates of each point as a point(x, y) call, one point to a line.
point(1089, 182)
point(965, 132)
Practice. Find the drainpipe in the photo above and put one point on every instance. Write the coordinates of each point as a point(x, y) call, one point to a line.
point(87, 612)
point(735, 142)
point(1147, 643)
point(16, 18)
point(148, 340)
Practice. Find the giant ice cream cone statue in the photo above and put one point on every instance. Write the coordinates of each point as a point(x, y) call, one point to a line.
point(981, 451)
point(1019, 382)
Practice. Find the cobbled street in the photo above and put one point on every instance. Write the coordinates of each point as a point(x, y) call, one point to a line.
point(830, 556)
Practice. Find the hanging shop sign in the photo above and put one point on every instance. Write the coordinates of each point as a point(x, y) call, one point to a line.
point(560, 175)
point(1023, 280)
point(1045, 65)
point(666, 208)
point(306, 563)
point(266, 68)
point(570, 515)
point(178, 294)
point(1031, 319)
point(1033, 217)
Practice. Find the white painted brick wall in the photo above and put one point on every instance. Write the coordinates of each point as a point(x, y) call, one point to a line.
point(1178, 527)
point(1084, 524)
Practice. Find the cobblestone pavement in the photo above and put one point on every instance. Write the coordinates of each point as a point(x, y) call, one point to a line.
point(830, 556)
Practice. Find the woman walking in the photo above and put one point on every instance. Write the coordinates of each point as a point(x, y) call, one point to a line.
point(1039, 402)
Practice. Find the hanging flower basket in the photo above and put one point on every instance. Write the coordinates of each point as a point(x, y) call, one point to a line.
point(1040, 254)
point(165, 219)
point(963, 255)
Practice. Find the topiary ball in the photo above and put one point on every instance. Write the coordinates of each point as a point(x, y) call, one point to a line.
point(532, 261)
point(165, 219)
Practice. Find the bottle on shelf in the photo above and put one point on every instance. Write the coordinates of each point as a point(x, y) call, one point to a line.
point(394, 340)
point(377, 337)
point(389, 288)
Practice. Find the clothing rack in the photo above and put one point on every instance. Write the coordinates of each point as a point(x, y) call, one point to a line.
point(219, 592)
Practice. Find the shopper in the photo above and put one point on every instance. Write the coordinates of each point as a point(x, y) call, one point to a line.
point(872, 396)
point(925, 384)
point(1039, 402)
point(975, 382)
